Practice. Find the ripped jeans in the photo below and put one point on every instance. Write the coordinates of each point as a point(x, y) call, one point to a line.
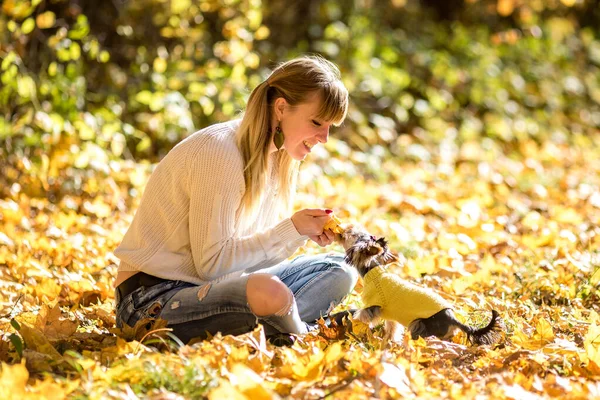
point(317, 282)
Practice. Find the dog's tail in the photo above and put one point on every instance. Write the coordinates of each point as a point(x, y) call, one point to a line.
point(486, 335)
point(444, 323)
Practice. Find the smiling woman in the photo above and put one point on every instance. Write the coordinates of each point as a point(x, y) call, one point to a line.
point(301, 126)
point(207, 247)
point(292, 110)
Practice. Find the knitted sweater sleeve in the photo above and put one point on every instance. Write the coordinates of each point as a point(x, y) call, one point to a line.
point(216, 187)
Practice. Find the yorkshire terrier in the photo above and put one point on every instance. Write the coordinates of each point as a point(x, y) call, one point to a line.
point(398, 302)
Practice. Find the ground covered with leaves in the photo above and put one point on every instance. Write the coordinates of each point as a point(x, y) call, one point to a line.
point(487, 226)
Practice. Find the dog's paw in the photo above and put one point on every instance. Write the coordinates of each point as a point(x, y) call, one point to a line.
point(368, 315)
point(393, 331)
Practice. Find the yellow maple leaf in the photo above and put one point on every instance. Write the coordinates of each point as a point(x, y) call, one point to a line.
point(52, 323)
point(543, 331)
point(542, 336)
point(309, 368)
point(334, 225)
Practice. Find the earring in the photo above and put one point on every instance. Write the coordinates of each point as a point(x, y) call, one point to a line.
point(278, 138)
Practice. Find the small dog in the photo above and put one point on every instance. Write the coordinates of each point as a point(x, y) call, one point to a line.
point(399, 302)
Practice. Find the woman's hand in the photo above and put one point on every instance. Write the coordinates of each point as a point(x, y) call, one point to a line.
point(310, 222)
point(324, 239)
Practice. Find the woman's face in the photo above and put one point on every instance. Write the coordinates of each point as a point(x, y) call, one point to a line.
point(301, 129)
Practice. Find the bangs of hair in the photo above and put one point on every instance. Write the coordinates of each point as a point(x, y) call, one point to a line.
point(334, 103)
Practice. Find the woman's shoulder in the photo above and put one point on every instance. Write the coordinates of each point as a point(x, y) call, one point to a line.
point(219, 132)
point(219, 137)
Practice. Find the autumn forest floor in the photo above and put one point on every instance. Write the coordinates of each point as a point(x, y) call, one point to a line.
point(514, 230)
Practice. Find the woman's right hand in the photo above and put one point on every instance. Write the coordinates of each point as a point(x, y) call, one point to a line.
point(310, 221)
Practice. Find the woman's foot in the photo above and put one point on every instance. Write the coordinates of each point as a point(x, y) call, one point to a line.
point(288, 339)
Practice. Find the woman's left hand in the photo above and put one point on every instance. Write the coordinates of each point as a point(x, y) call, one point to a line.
point(324, 239)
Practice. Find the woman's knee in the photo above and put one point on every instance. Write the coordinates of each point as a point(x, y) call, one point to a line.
point(267, 295)
point(340, 277)
point(344, 278)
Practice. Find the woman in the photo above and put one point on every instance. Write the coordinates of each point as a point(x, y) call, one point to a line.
point(207, 247)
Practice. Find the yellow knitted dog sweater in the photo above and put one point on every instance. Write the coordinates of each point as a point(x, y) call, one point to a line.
point(399, 300)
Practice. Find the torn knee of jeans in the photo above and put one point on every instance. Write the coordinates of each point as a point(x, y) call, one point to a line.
point(203, 291)
point(287, 307)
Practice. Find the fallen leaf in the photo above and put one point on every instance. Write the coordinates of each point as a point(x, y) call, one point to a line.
point(36, 340)
point(395, 377)
point(13, 380)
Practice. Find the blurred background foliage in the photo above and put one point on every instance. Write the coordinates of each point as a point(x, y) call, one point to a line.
point(85, 83)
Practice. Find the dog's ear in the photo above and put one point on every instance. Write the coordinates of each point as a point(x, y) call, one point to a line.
point(373, 250)
point(390, 257)
point(382, 242)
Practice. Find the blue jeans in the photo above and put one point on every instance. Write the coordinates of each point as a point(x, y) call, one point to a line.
point(317, 282)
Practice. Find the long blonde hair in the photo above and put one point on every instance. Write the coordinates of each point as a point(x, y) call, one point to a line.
point(295, 81)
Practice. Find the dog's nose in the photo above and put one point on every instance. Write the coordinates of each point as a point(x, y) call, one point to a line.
point(373, 237)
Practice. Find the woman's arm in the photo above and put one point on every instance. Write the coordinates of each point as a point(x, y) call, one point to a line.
point(216, 186)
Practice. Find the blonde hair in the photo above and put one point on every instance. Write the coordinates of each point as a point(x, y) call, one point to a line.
point(295, 80)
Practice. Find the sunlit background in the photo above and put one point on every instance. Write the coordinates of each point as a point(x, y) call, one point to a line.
point(472, 143)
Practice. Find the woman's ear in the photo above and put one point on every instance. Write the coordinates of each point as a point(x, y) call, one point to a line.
point(280, 104)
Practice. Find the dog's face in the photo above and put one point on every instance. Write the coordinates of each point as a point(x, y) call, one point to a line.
point(352, 235)
point(363, 250)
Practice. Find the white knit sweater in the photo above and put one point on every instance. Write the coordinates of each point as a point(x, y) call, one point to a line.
point(188, 226)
